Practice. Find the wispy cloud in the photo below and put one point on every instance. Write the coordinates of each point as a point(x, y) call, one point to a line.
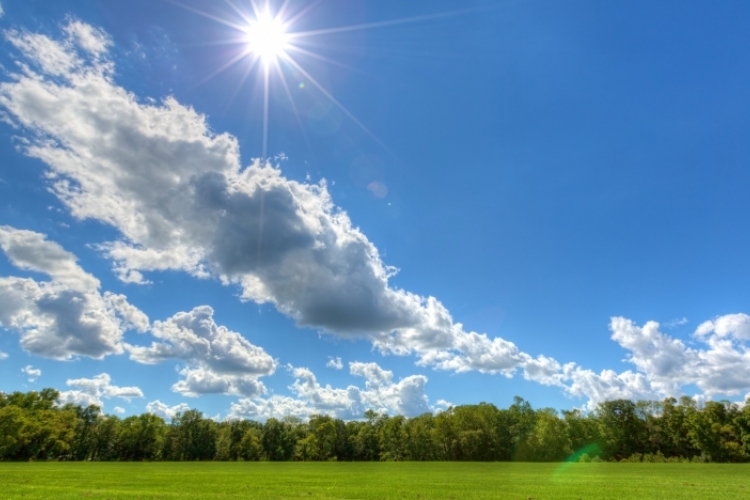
point(31, 372)
point(674, 323)
point(335, 363)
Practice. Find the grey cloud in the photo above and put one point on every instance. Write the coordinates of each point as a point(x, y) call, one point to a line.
point(220, 360)
point(32, 251)
point(66, 316)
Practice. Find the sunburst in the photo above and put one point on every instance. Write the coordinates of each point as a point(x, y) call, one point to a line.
point(266, 40)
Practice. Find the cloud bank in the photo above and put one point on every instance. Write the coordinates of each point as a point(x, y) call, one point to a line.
point(381, 393)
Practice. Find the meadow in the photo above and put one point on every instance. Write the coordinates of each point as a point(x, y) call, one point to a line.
point(375, 480)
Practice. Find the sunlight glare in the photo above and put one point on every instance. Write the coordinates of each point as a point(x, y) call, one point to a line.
point(267, 38)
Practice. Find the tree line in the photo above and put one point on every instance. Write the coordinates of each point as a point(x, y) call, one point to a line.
point(33, 426)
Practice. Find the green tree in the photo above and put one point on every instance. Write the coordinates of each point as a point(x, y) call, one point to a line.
point(549, 441)
point(622, 431)
point(393, 439)
point(715, 433)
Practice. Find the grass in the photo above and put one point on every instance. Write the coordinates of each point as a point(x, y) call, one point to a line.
point(405, 480)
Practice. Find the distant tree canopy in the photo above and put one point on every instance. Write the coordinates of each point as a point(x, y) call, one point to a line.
point(33, 426)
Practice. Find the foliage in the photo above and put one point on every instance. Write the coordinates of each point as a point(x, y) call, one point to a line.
point(34, 427)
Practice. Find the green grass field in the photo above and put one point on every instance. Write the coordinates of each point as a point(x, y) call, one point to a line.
point(405, 480)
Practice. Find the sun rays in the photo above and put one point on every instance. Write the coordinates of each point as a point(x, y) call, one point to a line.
point(269, 46)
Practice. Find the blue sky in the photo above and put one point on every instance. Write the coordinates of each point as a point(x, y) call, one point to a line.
point(437, 203)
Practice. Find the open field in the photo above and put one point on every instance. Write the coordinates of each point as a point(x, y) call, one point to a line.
point(405, 480)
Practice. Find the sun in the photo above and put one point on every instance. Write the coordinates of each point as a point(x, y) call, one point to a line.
point(267, 38)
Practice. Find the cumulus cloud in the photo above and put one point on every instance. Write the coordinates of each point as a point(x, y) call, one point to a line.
point(90, 391)
point(118, 410)
point(31, 372)
point(274, 406)
point(178, 195)
point(67, 315)
point(735, 326)
point(666, 365)
point(165, 411)
point(381, 393)
point(335, 363)
point(3, 355)
point(606, 385)
point(219, 360)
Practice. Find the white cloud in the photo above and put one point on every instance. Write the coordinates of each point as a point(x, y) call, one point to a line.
point(381, 393)
point(676, 322)
point(220, 360)
point(2, 12)
point(118, 410)
point(66, 316)
point(272, 407)
point(165, 411)
point(736, 326)
point(94, 41)
point(544, 370)
point(80, 398)
point(180, 199)
point(607, 385)
point(335, 363)
point(665, 365)
point(32, 251)
point(405, 397)
point(90, 391)
point(721, 367)
point(3, 355)
point(31, 372)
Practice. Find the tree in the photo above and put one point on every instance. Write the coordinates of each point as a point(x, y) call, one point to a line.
point(194, 437)
point(715, 433)
point(393, 439)
point(549, 441)
point(622, 432)
point(141, 437)
point(278, 439)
